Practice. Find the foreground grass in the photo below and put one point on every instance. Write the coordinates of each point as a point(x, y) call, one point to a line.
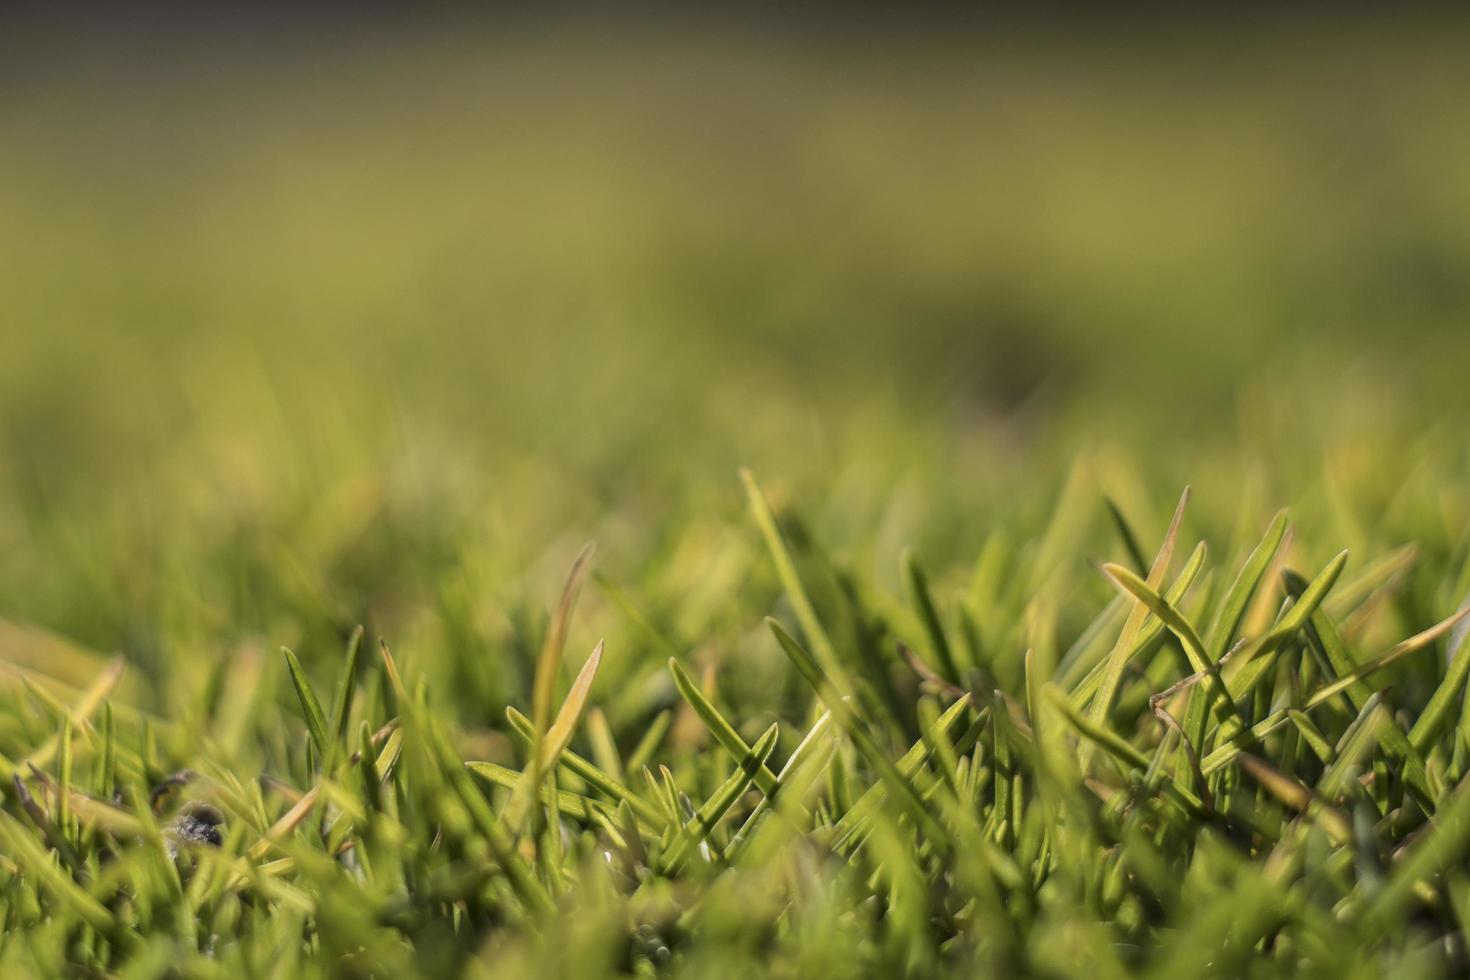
point(1208, 767)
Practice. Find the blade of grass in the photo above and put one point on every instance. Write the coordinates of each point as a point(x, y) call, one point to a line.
point(543, 688)
point(311, 708)
point(594, 776)
point(1148, 635)
point(1323, 638)
point(551, 745)
point(806, 615)
point(693, 833)
point(573, 804)
point(1247, 670)
point(1226, 750)
point(27, 853)
point(843, 716)
point(1126, 535)
point(1444, 844)
point(923, 601)
point(1231, 612)
point(722, 730)
point(346, 686)
point(1188, 638)
point(1437, 713)
point(1102, 701)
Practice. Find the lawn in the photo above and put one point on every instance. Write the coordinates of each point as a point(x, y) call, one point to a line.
point(582, 500)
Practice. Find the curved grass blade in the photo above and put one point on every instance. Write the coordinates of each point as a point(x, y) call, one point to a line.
point(311, 708)
point(1148, 634)
point(1117, 659)
point(722, 730)
point(1188, 638)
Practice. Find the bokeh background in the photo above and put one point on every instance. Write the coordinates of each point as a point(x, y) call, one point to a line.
point(318, 319)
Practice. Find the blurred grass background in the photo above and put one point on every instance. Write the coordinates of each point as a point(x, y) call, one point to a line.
point(311, 325)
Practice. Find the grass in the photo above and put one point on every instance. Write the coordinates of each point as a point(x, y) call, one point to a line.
point(902, 650)
point(933, 795)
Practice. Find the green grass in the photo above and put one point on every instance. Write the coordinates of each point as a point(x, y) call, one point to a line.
point(945, 786)
point(875, 384)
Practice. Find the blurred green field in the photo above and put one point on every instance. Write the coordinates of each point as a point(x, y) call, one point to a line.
point(307, 333)
point(322, 304)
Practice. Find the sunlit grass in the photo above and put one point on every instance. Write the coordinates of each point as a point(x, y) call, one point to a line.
point(875, 382)
point(932, 794)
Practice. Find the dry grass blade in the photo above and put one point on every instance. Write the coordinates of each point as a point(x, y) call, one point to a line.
point(1439, 710)
point(287, 823)
point(79, 713)
point(559, 735)
point(548, 670)
point(1395, 653)
point(550, 746)
point(1296, 796)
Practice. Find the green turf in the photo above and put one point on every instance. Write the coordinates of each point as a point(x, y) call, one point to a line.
point(327, 365)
